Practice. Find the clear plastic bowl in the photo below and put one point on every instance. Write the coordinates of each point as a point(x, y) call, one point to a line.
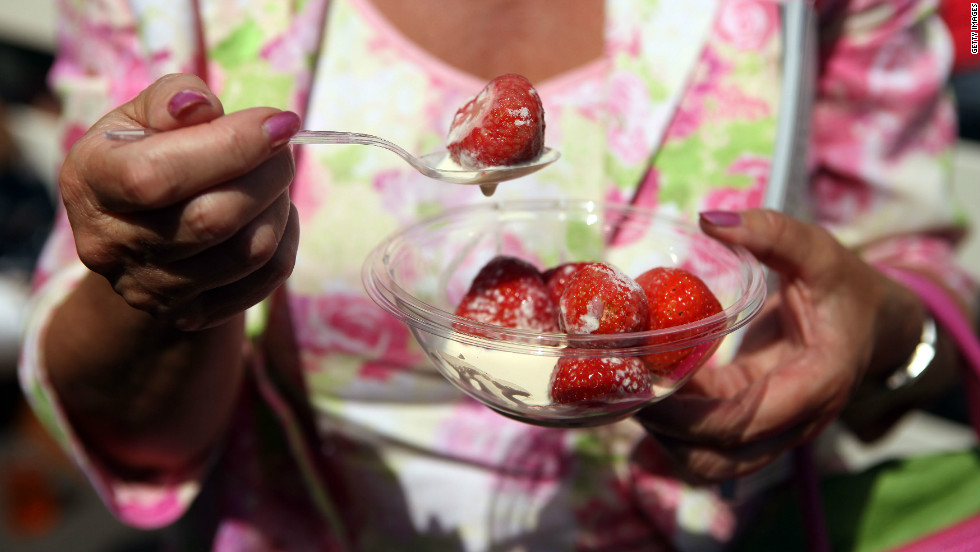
point(420, 273)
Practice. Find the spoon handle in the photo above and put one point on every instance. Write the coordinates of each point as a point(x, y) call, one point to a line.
point(129, 134)
point(301, 137)
point(342, 137)
point(308, 137)
point(330, 137)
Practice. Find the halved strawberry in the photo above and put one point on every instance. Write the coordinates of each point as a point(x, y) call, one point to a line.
point(509, 292)
point(586, 381)
point(600, 299)
point(676, 297)
point(502, 125)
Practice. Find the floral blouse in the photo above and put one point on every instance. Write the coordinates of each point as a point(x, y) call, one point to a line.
point(345, 438)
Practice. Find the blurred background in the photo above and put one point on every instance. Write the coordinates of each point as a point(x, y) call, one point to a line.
point(44, 504)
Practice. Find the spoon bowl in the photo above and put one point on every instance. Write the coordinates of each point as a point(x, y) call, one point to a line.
point(433, 165)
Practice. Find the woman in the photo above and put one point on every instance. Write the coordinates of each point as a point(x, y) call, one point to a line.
point(327, 429)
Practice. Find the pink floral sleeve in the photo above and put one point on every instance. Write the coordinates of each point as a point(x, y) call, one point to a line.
point(884, 128)
point(101, 64)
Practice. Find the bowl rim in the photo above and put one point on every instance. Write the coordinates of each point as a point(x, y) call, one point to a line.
point(420, 315)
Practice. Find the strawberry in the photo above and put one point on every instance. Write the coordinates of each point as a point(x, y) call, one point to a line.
point(585, 381)
point(557, 278)
point(502, 125)
point(600, 299)
point(676, 297)
point(509, 292)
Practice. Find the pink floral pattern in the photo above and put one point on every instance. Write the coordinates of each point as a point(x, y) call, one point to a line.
point(352, 324)
point(735, 199)
point(748, 24)
point(628, 105)
point(689, 116)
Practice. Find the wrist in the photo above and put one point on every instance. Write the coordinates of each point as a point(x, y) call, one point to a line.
point(910, 366)
point(901, 320)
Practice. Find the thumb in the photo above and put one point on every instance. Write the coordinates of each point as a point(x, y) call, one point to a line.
point(783, 243)
point(173, 101)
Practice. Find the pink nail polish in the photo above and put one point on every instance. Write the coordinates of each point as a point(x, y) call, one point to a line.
point(184, 100)
point(722, 218)
point(281, 127)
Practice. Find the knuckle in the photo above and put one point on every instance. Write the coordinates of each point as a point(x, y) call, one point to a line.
point(144, 301)
point(258, 245)
point(262, 247)
point(139, 296)
point(776, 221)
point(204, 222)
point(156, 292)
point(96, 254)
point(181, 314)
point(269, 231)
point(143, 183)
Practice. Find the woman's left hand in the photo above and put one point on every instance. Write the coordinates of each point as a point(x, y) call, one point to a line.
point(833, 317)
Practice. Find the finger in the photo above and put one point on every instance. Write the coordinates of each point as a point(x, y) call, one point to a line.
point(211, 217)
point(171, 102)
point(705, 465)
point(771, 405)
point(174, 101)
point(220, 304)
point(164, 290)
point(781, 242)
point(252, 248)
point(160, 237)
point(166, 168)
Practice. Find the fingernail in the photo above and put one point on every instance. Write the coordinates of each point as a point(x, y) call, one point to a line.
point(184, 100)
point(281, 127)
point(722, 218)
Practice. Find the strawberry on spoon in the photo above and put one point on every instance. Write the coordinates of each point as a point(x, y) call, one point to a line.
point(502, 126)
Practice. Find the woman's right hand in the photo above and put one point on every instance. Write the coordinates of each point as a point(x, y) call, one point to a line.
point(193, 224)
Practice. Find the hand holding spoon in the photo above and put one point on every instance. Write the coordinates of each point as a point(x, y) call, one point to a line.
point(432, 165)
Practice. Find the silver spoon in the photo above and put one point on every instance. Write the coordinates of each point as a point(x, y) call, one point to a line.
point(434, 165)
